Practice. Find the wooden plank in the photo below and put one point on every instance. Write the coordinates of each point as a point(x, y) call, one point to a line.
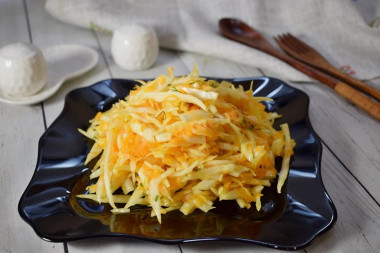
point(20, 129)
point(116, 245)
point(213, 67)
point(166, 58)
point(357, 227)
point(49, 32)
point(351, 207)
point(348, 131)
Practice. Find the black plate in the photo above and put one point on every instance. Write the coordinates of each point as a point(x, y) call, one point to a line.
point(287, 221)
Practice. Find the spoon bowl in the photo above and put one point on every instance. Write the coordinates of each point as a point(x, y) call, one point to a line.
point(237, 30)
point(235, 26)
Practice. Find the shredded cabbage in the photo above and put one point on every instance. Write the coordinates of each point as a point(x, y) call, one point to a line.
point(181, 143)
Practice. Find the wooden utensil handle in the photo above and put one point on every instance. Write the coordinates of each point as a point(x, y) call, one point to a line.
point(354, 82)
point(357, 98)
point(351, 94)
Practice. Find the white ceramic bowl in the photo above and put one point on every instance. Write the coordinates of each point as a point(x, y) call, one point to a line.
point(22, 69)
point(134, 47)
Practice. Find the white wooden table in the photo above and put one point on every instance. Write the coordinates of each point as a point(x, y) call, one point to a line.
point(350, 160)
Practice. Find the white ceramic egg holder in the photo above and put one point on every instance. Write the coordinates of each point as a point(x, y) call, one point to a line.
point(63, 62)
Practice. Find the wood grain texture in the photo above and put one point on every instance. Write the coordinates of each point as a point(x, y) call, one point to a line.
point(47, 32)
point(357, 98)
point(20, 129)
point(350, 160)
point(352, 135)
point(357, 227)
point(51, 33)
point(358, 223)
point(118, 245)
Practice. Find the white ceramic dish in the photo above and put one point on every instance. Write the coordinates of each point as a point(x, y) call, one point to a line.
point(63, 62)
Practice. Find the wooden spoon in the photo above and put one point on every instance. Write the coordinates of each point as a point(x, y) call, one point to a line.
point(237, 30)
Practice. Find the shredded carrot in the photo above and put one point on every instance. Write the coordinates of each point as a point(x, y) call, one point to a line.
point(183, 142)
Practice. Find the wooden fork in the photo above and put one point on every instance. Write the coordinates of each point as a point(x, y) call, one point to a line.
point(309, 55)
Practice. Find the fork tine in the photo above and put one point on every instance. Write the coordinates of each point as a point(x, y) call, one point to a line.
point(305, 53)
point(284, 44)
point(300, 43)
point(279, 41)
point(289, 40)
point(284, 39)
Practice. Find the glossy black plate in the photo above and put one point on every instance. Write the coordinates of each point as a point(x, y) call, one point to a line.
point(290, 220)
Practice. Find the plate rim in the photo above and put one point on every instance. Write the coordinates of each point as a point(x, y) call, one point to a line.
point(106, 82)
